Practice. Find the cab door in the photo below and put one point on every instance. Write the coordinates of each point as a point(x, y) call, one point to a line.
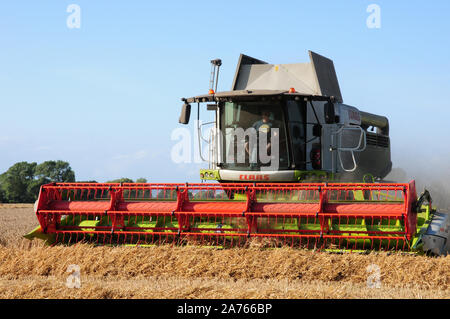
point(296, 122)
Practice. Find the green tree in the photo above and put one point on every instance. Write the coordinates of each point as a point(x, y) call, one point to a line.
point(54, 171)
point(21, 182)
point(2, 196)
point(141, 180)
point(121, 180)
point(51, 171)
point(16, 183)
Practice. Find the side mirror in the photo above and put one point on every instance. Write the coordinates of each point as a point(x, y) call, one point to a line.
point(329, 113)
point(185, 113)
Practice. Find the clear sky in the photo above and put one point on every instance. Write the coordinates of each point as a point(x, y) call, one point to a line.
point(106, 97)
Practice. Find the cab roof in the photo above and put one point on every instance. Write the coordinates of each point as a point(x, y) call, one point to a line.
point(255, 78)
point(254, 94)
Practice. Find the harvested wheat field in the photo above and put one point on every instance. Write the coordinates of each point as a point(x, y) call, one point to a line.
point(31, 270)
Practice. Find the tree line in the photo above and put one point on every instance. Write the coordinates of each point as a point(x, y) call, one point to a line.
point(22, 181)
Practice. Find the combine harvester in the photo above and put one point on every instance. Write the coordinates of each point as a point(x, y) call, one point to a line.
point(299, 188)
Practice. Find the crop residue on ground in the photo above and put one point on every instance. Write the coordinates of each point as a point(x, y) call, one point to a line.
point(31, 270)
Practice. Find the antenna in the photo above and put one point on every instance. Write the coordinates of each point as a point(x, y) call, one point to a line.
point(214, 77)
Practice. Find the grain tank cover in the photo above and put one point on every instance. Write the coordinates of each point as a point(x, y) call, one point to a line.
point(318, 77)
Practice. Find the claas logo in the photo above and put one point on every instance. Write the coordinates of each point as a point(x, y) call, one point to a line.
point(252, 177)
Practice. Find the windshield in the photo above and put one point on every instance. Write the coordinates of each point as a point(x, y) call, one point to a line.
point(254, 136)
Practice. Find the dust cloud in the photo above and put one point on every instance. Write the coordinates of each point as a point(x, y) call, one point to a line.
point(433, 175)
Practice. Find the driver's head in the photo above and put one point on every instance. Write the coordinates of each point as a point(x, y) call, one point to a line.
point(265, 116)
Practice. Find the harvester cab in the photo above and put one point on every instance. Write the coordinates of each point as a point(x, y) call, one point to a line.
point(288, 123)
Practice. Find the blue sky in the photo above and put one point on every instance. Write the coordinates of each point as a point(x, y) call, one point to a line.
point(106, 97)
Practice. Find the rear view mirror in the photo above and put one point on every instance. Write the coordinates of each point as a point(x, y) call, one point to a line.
point(329, 113)
point(185, 113)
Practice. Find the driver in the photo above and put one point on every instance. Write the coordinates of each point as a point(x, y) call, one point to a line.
point(262, 126)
